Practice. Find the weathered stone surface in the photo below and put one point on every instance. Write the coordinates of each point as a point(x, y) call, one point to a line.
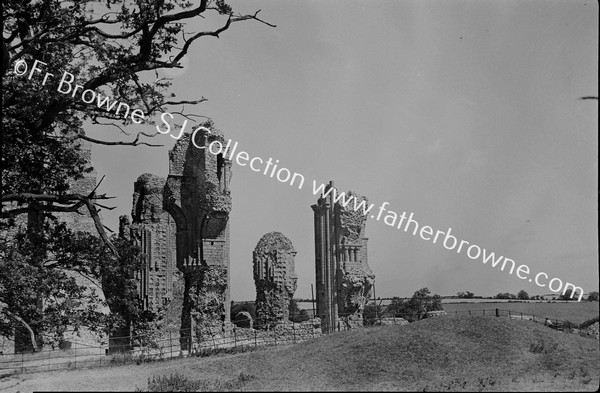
point(344, 280)
point(593, 330)
point(274, 277)
point(243, 319)
point(154, 230)
point(182, 225)
point(229, 336)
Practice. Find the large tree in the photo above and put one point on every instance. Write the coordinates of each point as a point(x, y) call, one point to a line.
point(522, 295)
point(108, 51)
point(113, 50)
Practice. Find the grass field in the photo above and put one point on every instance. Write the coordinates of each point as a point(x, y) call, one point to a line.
point(576, 312)
point(446, 353)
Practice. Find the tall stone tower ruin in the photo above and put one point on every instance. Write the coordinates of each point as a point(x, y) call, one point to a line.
point(183, 223)
point(275, 278)
point(155, 232)
point(343, 279)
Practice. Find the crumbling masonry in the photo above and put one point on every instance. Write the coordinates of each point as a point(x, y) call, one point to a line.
point(182, 227)
point(275, 278)
point(344, 280)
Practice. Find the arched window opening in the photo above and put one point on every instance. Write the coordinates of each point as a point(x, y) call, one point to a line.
point(220, 163)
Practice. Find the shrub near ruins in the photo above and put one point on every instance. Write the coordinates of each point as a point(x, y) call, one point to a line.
point(416, 307)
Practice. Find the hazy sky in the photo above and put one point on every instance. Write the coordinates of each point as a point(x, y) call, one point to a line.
point(463, 112)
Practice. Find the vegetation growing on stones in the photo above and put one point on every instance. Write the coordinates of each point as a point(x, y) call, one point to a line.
point(109, 48)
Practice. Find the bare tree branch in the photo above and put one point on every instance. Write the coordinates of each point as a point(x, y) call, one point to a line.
point(135, 142)
point(80, 200)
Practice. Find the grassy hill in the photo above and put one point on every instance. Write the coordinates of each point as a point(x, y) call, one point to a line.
point(447, 353)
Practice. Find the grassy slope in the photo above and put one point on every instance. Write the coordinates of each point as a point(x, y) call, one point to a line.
point(448, 353)
point(575, 312)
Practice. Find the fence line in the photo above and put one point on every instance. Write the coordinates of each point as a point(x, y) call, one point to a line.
point(160, 345)
point(553, 323)
point(164, 345)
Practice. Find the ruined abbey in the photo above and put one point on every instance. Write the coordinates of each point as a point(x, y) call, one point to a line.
point(182, 227)
point(343, 278)
point(274, 277)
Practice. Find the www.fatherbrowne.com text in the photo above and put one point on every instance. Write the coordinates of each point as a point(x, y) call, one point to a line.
point(270, 167)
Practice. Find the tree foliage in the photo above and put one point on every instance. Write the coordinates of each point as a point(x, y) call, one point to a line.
point(372, 313)
point(506, 295)
point(297, 314)
point(465, 295)
point(110, 48)
point(60, 293)
point(115, 49)
point(417, 306)
point(569, 295)
point(522, 295)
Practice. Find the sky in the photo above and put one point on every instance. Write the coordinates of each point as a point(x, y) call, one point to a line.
point(465, 113)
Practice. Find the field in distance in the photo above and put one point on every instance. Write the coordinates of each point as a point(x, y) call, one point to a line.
point(576, 312)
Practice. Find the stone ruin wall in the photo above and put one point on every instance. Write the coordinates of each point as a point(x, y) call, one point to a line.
point(355, 283)
point(154, 230)
point(274, 277)
point(182, 226)
point(344, 280)
point(286, 332)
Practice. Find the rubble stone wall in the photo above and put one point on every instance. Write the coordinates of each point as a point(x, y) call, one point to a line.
point(274, 277)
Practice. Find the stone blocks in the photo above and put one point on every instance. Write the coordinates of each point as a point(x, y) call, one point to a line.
point(344, 280)
point(275, 278)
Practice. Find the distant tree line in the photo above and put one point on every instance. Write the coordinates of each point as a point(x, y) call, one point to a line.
point(411, 309)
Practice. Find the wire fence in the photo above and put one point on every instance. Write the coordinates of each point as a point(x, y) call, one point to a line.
point(164, 345)
point(557, 324)
point(161, 345)
point(561, 325)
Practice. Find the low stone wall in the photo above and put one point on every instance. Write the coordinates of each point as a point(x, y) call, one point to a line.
point(391, 321)
point(213, 337)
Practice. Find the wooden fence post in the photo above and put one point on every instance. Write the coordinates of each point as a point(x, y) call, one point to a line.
point(497, 313)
